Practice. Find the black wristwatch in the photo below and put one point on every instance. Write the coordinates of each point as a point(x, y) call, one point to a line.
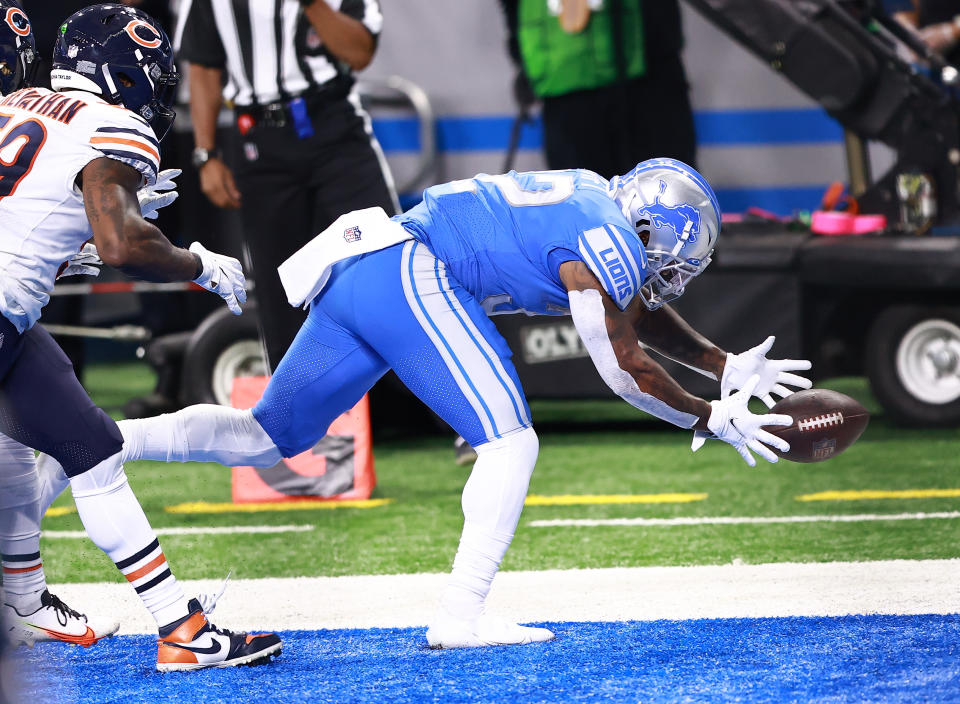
point(306, 3)
point(201, 156)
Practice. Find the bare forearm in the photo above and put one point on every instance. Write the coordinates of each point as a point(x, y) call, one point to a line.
point(345, 37)
point(150, 256)
point(670, 335)
point(205, 102)
point(653, 380)
point(123, 238)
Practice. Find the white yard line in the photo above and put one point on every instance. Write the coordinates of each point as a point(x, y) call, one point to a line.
point(615, 594)
point(738, 520)
point(216, 530)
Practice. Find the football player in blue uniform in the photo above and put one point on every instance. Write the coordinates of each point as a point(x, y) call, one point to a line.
point(414, 294)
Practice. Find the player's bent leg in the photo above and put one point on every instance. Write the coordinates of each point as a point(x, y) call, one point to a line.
point(492, 502)
point(447, 351)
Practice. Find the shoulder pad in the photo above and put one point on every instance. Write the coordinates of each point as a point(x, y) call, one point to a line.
point(616, 258)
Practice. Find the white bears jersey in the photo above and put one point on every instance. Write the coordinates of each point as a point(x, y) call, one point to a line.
point(46, 139)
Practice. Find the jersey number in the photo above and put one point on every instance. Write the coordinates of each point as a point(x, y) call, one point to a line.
point(533, 188)
point(19, 147)
point(550, 187)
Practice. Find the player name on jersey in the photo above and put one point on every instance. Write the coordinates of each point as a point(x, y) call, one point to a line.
point(56, 106)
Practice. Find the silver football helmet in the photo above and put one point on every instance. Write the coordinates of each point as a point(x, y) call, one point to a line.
point(676, 215)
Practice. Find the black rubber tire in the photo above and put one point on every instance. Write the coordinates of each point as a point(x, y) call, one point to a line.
point(215, 334)
point(886, 334)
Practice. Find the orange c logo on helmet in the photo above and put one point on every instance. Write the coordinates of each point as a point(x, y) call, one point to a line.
point(17, 21)
point(134, 25)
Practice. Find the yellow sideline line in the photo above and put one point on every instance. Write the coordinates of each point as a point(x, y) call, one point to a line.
point(570, 500)
point(207, 507)
point(55, 511)
point(862, 494)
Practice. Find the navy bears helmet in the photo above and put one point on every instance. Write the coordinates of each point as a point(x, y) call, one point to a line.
point(18, 51)
point(121, 54)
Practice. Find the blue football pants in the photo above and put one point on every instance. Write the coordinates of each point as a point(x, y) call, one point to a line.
point(394, 309)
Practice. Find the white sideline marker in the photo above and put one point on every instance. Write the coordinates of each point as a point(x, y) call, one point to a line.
point(739, 520)
point(212, 530)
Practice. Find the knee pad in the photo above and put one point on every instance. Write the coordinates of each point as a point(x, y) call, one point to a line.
point(520, 447)
point(103, 478)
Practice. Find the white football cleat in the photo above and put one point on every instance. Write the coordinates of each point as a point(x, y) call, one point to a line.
point(447, 631)
point(54, 621)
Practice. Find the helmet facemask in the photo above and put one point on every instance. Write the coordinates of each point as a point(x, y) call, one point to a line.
point(148, 90)
point(675, 214)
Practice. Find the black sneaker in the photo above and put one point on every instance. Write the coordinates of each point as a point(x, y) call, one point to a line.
point(193, 643)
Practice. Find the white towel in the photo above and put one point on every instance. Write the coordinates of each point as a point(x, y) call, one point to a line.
point(305, 273)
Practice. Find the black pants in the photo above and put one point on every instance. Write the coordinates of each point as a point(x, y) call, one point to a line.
point(43, 405)
point(293, 189)
point(610, 130)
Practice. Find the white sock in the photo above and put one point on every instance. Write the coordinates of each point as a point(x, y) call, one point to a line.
point(202, 433)
point(492, 502)
point(23, 578)
point(114, 520)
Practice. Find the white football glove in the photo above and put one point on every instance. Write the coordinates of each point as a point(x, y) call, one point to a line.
point(731, 421)
point(223, 275)
point(772, 373)
point(86, 262)
point(159, 195)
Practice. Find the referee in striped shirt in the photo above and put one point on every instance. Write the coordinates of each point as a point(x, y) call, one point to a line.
point(306, 151)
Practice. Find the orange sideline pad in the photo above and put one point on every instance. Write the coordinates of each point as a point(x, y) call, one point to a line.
point(249, 486)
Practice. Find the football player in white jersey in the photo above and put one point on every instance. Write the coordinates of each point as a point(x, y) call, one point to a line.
point(71, 163)
point(30, 612)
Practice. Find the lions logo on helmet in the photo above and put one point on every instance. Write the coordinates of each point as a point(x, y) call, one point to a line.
point(676, 215)
point(17, 48)
point(121, 54)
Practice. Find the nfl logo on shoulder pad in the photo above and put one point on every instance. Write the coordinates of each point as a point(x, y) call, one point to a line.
point(352, 234)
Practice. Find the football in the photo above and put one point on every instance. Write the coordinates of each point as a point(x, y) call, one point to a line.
point(825, 423)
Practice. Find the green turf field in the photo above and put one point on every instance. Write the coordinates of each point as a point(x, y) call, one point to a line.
point(418, 531)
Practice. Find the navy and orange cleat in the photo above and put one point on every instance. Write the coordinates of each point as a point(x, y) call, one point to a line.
point(193, 643)
point(54, 621)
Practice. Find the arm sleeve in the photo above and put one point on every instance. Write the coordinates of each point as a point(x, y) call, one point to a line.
point(616, 259)
point(197, 39)
point(586, 309)
point(367, 11)
point(123, 136)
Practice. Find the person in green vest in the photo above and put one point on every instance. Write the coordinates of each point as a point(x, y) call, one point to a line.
point(610, 79)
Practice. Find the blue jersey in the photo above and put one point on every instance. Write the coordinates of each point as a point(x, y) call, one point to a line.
point(504, 237)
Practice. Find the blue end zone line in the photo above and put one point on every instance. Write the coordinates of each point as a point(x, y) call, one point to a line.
point(715, 128)
point(841, 659)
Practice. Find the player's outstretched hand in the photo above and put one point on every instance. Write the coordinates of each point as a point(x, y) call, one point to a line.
point(223, 275)
point(86, 262)
point(773, 374)
point(731, 421)
point(159, 195)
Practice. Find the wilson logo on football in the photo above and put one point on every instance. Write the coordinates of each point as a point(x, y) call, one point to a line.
point(144, 34)
point(17, 21)
point(827, 420)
